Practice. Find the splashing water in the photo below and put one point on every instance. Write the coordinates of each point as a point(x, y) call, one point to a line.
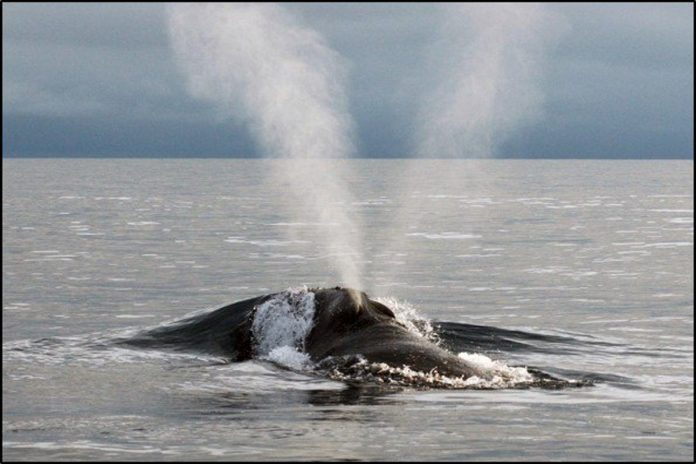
point(499, 374)
point(408, 316)
point(502, 376)
point(282, 323)
point(256, 64)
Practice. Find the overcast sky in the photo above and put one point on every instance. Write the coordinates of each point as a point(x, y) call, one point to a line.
point(100, 79)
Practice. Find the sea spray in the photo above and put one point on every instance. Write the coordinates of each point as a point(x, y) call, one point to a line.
point(259, 66)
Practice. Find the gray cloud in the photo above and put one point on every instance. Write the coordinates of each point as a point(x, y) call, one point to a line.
point(111, 25)
point(619, 83)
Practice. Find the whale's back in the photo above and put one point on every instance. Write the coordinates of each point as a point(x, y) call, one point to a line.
point(225, 331)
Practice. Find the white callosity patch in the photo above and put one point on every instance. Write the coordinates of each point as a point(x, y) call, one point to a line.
point(281, 325)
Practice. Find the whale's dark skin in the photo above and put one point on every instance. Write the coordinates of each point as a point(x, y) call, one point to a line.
point(346, 323)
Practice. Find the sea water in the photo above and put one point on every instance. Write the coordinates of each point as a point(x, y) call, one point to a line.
point(600, 252)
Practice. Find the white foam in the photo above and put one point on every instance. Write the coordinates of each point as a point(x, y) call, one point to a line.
point(290, 357)
point(283, 321)
point(408, 316)
point(496, 375)
point(499, 374)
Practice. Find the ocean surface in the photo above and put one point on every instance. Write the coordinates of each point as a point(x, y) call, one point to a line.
point(587, 264)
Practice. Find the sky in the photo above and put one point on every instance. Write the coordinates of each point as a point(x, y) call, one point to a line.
point(101, 79)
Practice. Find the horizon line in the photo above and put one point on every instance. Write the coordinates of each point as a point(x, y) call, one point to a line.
point(253, 157)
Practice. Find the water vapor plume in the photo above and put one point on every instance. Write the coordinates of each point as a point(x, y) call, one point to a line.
point(259, 66)
point(487, 62)
point(489, 59)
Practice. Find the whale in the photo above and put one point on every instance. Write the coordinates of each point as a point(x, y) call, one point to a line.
point(346, 327)
point(346, 323)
